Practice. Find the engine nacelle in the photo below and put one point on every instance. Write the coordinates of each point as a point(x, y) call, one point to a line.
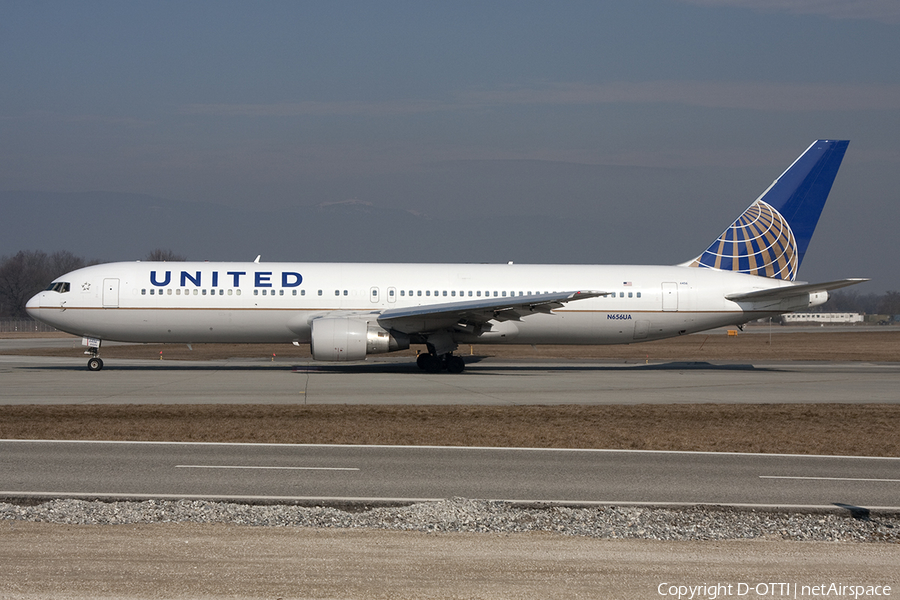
point(341, 339)
point(818, 298)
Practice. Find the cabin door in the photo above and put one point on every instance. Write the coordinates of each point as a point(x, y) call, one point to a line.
point(110, 293)
point(669, 296)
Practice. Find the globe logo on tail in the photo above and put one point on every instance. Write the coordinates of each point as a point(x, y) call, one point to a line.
point(760, 242)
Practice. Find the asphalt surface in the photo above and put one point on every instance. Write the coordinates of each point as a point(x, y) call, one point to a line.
point(180, 561)
point(493, 381)
point(392, 473)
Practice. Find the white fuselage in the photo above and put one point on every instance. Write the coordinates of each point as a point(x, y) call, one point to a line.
point(195, 302)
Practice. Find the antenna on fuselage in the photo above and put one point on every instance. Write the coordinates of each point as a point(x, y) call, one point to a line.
point(258, 256)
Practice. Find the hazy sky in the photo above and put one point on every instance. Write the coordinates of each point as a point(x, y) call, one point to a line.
point(475, 109)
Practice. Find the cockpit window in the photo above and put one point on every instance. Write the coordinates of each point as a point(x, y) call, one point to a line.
point(59, 286)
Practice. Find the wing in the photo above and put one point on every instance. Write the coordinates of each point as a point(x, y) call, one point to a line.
point(789, 291)
point(436, 317)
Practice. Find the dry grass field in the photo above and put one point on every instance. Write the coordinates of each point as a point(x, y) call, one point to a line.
point(835, 429)
point(843, 429)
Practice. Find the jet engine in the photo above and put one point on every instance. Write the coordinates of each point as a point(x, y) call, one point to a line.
point(341, 339)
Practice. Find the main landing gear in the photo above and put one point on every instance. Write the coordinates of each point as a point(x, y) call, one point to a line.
point(431, 363)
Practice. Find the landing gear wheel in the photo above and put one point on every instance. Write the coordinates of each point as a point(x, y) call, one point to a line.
point(431, 363)
point(455, 364)
point(421, 359)
point(94, 364)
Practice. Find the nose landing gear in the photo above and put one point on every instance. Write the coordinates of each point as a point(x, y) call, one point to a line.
point(94, 362)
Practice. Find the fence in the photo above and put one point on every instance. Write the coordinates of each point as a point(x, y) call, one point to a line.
point(24, 326)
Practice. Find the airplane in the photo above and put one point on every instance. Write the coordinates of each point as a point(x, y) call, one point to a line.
point(348, 311)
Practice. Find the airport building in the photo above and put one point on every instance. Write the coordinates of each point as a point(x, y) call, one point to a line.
point(820, 317)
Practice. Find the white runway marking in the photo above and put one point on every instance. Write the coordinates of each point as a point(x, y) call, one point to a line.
point(264, 468)
point(828, 478)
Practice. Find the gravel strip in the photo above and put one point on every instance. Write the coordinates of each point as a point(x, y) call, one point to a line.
point(478, 516)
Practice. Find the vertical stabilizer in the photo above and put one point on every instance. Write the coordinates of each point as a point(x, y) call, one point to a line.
point(771, 237)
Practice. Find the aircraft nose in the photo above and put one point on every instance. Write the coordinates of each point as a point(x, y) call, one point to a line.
point(33, 303)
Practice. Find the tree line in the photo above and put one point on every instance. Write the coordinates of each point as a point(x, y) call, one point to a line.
point(30, 271)
point(855, 302)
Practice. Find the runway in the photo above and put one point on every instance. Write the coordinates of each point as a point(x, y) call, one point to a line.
point(314, 474)
point(492, 381)
point(374, 473)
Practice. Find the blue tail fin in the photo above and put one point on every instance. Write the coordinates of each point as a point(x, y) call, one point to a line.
point(770, 238)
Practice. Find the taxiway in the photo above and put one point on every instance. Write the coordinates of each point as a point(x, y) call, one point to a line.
point(492, 381)
point(316, 474)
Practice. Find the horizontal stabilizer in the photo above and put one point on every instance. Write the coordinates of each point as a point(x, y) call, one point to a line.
point(788, 291)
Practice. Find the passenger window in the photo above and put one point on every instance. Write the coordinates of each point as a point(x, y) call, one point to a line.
point(337, 292)
point(345, 292)
point(629, 294)
point(621, 294)
point(428, 292)
point(237, 292)
point(281, 292)
point(143, 292)
point(402, 293)
point(256, 292)
point(638, 294)
point(419, 293)
point(196, 293)
point(478, 293)
point(320, 292)
point(178, 292)
point(453, 293)
point(229, 292)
